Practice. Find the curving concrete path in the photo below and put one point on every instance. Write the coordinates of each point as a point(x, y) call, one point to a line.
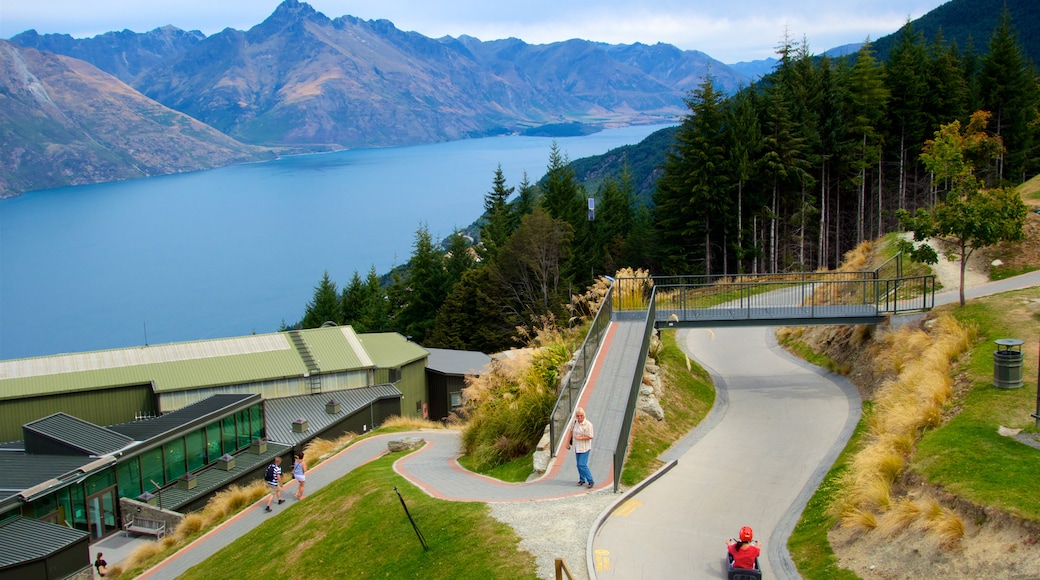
point(777, 427)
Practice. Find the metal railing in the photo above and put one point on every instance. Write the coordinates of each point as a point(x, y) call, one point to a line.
point(621, 448)
point(583, 360)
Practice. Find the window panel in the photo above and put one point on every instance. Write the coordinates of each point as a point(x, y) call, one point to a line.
point(195, 449)
point(228, 436)
point(128, 475)
point(152, 469)
point(256, 421)
point(174, 453)
point(244, 431)
point(213, 442)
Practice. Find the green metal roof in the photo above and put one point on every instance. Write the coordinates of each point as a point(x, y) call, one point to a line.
point(390, 350)
point(185, 365)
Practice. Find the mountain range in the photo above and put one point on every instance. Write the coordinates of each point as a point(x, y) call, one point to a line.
point(126, 104)
point(302, 82)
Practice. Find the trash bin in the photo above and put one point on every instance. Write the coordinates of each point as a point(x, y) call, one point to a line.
point(1007, 363)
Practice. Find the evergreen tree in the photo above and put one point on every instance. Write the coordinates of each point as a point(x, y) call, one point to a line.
point(743, 140)
point(422, 289)
point(1008, 89)
point(474, 316)
point(868, 97)
point(499, 221)
point(458, 259)
point(324, 306)
point(906, 76)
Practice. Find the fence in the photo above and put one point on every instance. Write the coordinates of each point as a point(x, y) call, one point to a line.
point(583, 359)
point(621, 448)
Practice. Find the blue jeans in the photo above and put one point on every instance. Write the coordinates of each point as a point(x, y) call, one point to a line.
point(584, 473)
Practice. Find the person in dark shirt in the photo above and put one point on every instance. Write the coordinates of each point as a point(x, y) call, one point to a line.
point(273, 477)
point(100, 564)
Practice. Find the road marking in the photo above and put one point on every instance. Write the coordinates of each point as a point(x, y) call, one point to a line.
point(628, 507)
point(602, 560)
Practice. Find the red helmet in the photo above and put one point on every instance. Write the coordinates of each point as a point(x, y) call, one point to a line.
point(746, 534)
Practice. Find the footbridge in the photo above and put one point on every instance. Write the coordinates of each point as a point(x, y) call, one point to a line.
point(634, 307)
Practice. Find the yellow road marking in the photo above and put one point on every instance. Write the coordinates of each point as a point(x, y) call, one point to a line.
point(602, 560)
point(628, 507)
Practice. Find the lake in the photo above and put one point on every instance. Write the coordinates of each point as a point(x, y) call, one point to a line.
point(237, 250)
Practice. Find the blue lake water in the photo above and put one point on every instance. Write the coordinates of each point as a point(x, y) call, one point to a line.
point(237, 250)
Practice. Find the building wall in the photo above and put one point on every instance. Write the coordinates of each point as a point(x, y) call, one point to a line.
point(100, 407)
point(413, 386)
point(290, 387)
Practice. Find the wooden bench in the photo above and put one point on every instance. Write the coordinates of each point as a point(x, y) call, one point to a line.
point(144, 527)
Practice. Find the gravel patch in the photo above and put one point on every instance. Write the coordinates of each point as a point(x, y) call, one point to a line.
point(556, 528)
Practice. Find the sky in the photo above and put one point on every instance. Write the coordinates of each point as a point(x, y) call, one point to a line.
point(729, 31)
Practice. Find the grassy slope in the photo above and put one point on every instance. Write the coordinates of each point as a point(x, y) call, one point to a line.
point(357, 528)
point(966, 455)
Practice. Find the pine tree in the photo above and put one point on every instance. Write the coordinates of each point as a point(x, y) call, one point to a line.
point(498, 225)
point(324, 306)
point(422, 289)
point(1008, 89)
point(869, 98)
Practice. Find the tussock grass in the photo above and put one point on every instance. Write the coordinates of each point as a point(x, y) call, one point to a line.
point(860, 519)
point(224, 504)
point(906, 405)
point(506, 408)
point(901, 515)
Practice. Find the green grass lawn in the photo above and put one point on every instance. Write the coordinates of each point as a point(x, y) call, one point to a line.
point(356, 528)
point(966, 455)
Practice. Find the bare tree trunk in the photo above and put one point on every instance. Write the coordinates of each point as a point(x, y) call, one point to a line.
point(822, 234)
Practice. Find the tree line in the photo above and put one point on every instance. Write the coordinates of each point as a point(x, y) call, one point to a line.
point(787, 174)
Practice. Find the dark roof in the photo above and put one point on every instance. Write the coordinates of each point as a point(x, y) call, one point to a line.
point(24, 540)
point(21, 471)
point(280, 413)
point(457, 362)
point(217, 405)
point(75, 434)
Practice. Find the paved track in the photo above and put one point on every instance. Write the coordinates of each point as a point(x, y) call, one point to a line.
point(777, 426)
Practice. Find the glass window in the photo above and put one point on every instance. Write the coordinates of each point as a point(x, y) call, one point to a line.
point(244, 432)
point(175, 466)
point(195, 449)
point(456, 400)
point(152, 469)
point(64, 507)
point(128, 476)
point(42, 507)
point(256, 421)
point(99, 481)
point(213, 442)
point(228, 434)
point(79, 508)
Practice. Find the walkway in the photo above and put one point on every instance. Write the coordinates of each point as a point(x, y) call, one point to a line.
point(434, 469)
point(777, 426)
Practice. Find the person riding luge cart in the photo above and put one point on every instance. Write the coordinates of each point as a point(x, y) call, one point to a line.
point(742, 556)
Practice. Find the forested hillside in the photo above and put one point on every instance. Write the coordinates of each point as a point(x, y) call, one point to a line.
point(786, 175)
point(969, 23)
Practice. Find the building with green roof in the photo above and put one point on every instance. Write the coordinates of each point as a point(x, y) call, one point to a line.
point(120, 385)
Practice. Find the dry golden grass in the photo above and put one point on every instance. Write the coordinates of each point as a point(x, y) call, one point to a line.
point(904, 406)
point(944, 524)
point(225, 503)
point(191, 524)
point(411, 423)
point(317, 450)
point(860, 519)
point(634, 290)
point(901, 515)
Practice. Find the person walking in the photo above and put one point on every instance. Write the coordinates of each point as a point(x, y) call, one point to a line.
point(299, 474)
point(581, 439)
point(273, 477)
point(100, 564)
